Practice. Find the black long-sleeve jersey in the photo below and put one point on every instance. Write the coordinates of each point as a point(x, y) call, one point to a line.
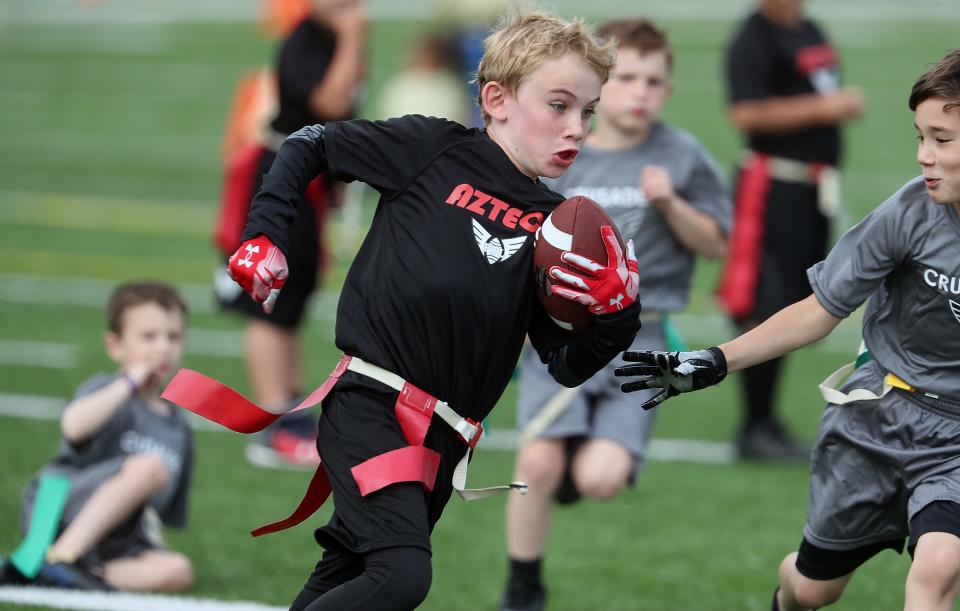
point(441, 291)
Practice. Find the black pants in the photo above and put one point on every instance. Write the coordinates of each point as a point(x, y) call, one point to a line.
point(391, 579)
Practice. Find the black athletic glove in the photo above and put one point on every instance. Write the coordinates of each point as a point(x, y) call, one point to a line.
point(674, 372)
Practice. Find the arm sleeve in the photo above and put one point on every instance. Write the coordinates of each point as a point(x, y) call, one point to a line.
point(707, 191)
point(573, 359)
point(301, 157)
point(861, 260)
point(91, 445)
point(751, 67)
point(387, 155)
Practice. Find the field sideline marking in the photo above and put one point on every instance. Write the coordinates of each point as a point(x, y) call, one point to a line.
point(52, 355)
point(121, 601)
point(29, 289)
point(39, 407)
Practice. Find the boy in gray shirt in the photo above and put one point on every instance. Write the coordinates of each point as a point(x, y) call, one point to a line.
point(885, 469)
point(664, 191)
point(127, 455)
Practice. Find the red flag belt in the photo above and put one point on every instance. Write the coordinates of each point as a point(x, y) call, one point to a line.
point(217, 402)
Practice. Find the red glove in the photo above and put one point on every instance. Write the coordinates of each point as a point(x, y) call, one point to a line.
point(602, 289)
point(261, 269)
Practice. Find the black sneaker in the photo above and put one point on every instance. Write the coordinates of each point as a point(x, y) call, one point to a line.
point(768, 440)
point(10, 575)
point(522, 597)
point(70, 576)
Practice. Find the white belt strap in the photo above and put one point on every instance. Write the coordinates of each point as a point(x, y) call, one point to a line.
point(826, 178)
point(466, 429)
point(829, 388)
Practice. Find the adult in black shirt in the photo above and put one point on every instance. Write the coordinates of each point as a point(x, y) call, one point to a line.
point(319, 68)
point(784, 94)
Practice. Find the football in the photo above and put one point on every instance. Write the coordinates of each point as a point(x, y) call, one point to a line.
point(574, 225)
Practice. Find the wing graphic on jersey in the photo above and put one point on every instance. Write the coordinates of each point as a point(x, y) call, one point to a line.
point(512, 245)
point(482, 235)
point(955, 308)
point(495, 249)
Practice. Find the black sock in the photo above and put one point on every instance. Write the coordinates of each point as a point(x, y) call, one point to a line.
point(759, 387)
point(526, 572)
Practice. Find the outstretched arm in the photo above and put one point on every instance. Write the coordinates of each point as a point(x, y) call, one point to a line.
point(793, 327)
point(677, 372)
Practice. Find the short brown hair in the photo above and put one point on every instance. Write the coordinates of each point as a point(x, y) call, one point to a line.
point(638, 33)
point(525, 39)
point(133, 294)
point(942, 80)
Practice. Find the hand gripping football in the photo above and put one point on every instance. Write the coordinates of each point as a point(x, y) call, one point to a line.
point(573, 226)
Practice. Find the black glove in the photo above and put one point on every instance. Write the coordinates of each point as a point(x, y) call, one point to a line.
point(674, 372)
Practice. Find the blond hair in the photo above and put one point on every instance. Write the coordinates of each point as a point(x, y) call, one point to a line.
point(525, 39)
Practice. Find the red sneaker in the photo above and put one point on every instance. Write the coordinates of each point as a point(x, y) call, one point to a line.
point(283, 449)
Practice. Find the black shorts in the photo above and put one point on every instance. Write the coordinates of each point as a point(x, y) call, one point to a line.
point(819, 563)
point(795, 238)
point(358, 422)
point(303, 261)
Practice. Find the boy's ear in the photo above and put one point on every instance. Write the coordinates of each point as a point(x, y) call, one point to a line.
point(493, 96)
point(111, 341)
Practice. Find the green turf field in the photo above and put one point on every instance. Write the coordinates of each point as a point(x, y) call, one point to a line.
point(110, 170)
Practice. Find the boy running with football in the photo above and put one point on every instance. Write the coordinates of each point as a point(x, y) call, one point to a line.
point(885, 470)
point(424, 310)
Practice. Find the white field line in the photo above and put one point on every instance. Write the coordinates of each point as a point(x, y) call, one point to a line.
point(93, 292)
point(121, 601)
point(664, 450)
point(38, 407)
point(697, 329)
point(505, 440)
point(55, 355)
point(51, 355)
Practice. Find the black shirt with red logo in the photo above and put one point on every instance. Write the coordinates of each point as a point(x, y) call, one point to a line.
point(441, 291)
point(766, 60)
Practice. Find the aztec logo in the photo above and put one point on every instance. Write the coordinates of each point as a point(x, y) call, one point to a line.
point(955, 308)
point(495, 249)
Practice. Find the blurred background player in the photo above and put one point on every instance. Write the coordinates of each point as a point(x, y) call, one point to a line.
point(665, 191)
point(469, 23)
point(785, 97)
point(884, 471)
point(429, 83)
point(319, 71)
point(128, 457)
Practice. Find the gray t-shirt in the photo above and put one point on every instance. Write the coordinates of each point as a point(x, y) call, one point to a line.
point(612, 179)
point(136, 429)
point(905, 257)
